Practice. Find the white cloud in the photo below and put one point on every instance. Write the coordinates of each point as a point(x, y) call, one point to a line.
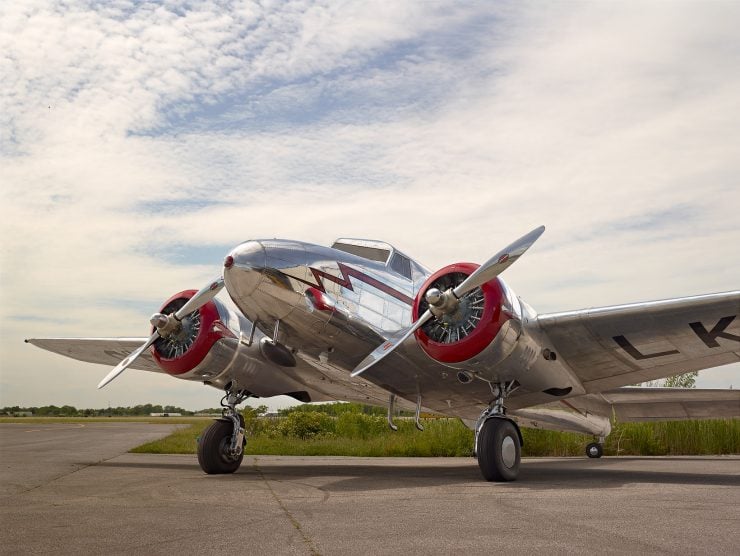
point(446, 129)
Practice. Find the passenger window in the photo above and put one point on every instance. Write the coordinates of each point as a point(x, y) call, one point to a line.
point(402, 265)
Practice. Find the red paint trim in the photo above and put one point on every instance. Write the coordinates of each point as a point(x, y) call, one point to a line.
point(492, 320)
point(345, 282)
point(320, 300)
point(211, 330)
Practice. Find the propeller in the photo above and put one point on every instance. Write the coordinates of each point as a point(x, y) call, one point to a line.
point(446, 302)
point(166, 324)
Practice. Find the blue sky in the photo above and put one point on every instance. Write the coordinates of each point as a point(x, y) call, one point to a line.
point(139, 141)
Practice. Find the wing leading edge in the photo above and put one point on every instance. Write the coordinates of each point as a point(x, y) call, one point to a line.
point(621, 345)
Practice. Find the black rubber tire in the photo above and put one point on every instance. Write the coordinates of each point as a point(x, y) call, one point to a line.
point(491, 439)
point(213, 456)
point(594, 450)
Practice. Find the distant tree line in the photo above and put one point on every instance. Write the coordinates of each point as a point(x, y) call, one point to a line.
point(71, 411)
point(685, 380)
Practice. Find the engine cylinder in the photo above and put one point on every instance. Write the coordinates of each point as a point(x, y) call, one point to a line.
point(461, 335)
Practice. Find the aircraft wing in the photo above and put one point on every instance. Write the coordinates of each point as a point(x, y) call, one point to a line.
point(617, 346)
point(106, 351)
point(661, 404)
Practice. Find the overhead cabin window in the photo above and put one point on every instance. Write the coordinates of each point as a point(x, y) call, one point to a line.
point(402, 265)
point(371, 253)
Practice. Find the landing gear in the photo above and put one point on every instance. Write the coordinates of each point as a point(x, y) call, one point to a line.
point(498, 442)
point(594, 450)
point(499, 450)
point(214, 449)
point(221, 448)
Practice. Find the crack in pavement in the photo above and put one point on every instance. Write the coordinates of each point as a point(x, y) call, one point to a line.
point(294, 522)
point(62, 476)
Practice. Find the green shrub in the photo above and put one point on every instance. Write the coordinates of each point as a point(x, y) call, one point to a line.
point(305, 425)
point(359, 425)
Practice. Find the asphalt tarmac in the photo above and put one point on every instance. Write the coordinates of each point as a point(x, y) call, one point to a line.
point(74, 489)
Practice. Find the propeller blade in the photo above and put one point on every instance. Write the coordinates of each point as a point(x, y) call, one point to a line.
point(123, 365)
point(203, 296)
point(388, 346)
point(498, 263)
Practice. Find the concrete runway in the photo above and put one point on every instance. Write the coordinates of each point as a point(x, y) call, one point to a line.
point(72, 489)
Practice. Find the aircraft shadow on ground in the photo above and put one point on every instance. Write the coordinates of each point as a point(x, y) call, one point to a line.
point(534, 475)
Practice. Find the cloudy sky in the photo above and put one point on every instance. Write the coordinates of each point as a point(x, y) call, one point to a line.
point(141, 140)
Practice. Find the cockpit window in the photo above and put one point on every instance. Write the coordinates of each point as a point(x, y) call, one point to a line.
point(402, 265)
point(371, 253)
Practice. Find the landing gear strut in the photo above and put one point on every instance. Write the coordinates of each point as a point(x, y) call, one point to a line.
point(498, 441)
point(221, 448)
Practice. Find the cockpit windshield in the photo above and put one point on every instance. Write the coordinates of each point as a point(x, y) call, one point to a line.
point(383, 253)
point(371, 250)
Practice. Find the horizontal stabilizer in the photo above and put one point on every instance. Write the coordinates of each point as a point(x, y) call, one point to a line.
point(662, 404)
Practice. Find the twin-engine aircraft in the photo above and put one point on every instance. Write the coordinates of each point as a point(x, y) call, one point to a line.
point(362, 322)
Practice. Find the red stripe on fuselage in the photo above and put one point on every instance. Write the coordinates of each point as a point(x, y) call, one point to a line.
point(345, 282)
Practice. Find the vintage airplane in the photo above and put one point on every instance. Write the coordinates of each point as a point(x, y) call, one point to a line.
point(361, 321)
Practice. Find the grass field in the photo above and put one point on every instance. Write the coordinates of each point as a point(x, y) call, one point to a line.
point(368, 436)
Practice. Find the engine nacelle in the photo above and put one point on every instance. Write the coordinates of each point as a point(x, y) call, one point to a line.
point(184, 350)
point(480, 333)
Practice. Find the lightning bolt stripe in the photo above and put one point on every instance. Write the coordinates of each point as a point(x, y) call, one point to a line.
point(345, 282)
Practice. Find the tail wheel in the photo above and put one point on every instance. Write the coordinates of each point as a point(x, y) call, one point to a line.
point(499, 450)
point(213, 449)
point(594, 450)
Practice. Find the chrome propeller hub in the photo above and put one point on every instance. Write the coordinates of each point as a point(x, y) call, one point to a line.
point(454, 319)
point(175, 336)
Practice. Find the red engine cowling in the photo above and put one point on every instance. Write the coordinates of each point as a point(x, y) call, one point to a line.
point(183, 351)
point(463, 335)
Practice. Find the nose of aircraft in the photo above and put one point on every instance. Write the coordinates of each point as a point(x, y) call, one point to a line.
point(243, 268)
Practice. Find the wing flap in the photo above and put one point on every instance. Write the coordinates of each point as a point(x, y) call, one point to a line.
point(627, 344)
point(105, 351)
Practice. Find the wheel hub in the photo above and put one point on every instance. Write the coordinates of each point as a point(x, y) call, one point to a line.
point(508, 452)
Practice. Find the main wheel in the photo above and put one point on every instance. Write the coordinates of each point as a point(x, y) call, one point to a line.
point(594, 450)
point(499, 450)
point(213, 449)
